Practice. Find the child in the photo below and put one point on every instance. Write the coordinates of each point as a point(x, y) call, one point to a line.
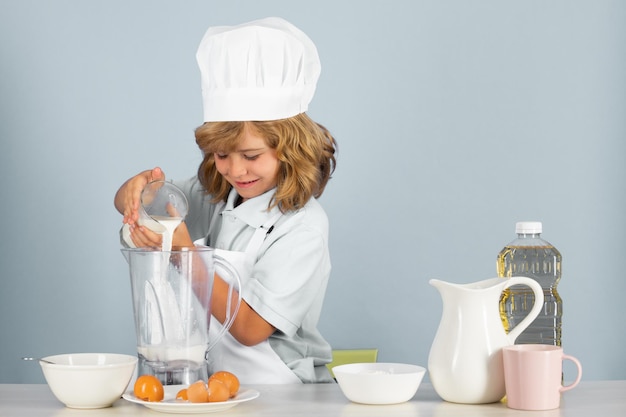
point(254, 199)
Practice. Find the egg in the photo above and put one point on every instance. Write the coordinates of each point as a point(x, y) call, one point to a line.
point(198, 392)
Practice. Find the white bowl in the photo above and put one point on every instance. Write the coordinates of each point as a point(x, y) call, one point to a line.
point(379, 383)
point(89, 380)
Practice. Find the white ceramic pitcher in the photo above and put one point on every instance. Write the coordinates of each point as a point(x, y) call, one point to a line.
point(465, 362)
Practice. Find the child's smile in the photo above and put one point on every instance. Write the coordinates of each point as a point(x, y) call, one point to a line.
point(252, 169)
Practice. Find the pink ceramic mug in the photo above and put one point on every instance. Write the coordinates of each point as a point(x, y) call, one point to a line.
point(532, 375)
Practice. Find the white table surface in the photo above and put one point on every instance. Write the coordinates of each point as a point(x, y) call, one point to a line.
point(589, 399)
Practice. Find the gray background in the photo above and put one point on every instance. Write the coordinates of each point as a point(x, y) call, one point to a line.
point(455, 119)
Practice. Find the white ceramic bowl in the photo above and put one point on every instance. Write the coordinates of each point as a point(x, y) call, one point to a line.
point(379, 383)
point(89, 380)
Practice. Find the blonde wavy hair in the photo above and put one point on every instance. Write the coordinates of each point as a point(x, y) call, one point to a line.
point(305, 150)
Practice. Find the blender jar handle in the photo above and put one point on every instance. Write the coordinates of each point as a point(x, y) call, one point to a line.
point(230, 317)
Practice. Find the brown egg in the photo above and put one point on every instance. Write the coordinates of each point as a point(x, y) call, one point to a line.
point(182, 394)
point(198, 392)
point(228, 378)
point(218, 391)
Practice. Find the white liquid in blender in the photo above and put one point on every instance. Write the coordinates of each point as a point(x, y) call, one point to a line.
point(170, 354)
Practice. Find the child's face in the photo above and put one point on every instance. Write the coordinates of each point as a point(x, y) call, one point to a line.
point(252, 168)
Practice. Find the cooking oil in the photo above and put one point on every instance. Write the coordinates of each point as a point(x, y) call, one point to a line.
point(531, 256)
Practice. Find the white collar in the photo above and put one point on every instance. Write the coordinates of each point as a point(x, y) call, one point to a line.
point(253, 211)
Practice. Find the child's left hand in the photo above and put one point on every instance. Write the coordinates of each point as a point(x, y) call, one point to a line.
point(143, 237)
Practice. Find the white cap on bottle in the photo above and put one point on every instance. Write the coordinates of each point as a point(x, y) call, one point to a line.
point(528, 227)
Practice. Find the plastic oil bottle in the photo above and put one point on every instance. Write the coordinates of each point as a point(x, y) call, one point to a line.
point(531, 256)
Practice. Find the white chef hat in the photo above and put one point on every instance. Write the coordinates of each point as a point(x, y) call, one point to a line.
point(262, 70)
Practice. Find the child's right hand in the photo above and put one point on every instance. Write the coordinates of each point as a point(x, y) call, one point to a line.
point(128, 196)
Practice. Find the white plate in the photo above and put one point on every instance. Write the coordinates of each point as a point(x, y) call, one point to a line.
point(171, 405)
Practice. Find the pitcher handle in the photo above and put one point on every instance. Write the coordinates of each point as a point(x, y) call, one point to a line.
point(534, 312)
point(230, 318)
